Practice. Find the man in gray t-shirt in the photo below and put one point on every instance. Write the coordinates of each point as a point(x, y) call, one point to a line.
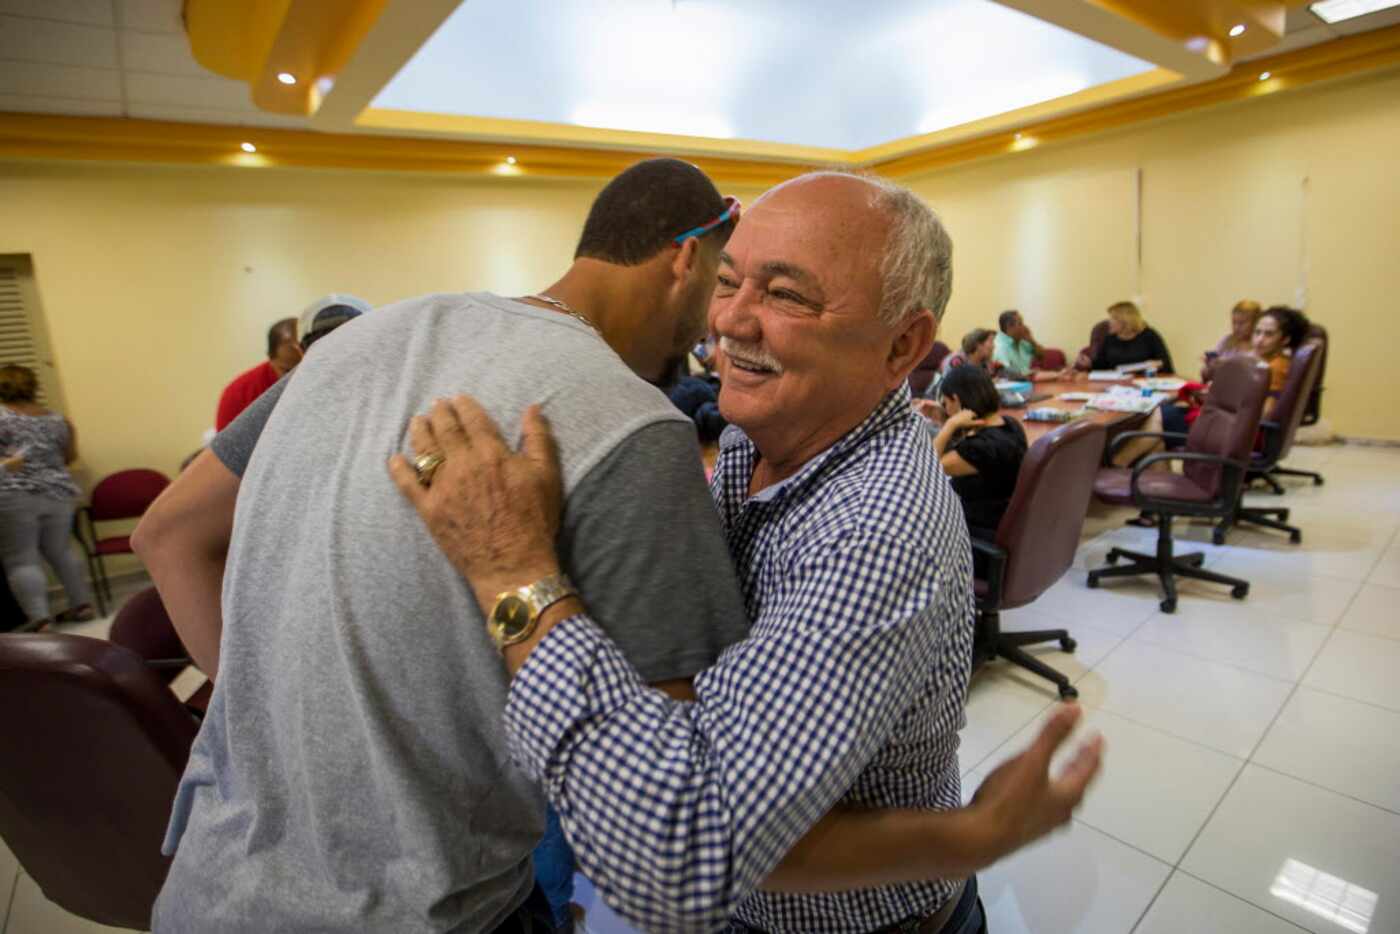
point(351, 773)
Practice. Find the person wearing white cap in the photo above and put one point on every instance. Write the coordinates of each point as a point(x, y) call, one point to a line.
point(328, 313)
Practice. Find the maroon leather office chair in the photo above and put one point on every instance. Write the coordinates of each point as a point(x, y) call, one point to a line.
point(1051, 358)
point(1312, 413)
point(1214, 463)
point(1035, 544)
point(927, 370)
point(126, 494)
point(92, 745)
point(1277, 431)
point(1096, 338)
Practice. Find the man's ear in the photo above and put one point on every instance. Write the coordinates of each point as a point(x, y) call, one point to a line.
point(911, 344)
point(684, 262)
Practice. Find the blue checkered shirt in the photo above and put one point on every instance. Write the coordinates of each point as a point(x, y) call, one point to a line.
point(849, 690)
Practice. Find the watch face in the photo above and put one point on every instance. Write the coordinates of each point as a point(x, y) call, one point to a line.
point(512, 615)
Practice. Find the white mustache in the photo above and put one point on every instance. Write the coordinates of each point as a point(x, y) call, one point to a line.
point(751, 354)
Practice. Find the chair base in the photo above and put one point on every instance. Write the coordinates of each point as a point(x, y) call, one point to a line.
point(1167, 567)
point(993, 644)
point(1268, 517)
point(1290, 472)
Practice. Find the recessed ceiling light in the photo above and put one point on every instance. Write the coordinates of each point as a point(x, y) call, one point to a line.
point(510, 160)
point(1265, 75)
point(248, 147)
point(1334, 11)
point(1237, 30)
point(286, 77)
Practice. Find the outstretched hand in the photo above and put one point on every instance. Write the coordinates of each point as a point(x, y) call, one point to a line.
point(494, 512)
point(1021, 798)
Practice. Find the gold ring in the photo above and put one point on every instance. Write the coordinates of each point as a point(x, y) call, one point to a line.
point(425, 465)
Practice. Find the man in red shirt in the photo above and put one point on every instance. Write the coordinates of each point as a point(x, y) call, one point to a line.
point(283, 353)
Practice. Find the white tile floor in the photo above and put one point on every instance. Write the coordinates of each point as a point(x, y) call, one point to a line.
point(1253, 777)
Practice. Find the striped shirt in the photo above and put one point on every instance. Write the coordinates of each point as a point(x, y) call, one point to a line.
point(849, 690)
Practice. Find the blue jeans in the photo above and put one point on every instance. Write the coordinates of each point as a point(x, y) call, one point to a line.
point(554, 869)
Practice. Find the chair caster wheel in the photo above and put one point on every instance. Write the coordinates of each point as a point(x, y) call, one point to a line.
point(1217, 537)
point(1317, 481)
point(1240, 592)
point(1295, 537)
point(1168, 606)
point(1068, 645)
point(1069, 692)
point(1092, 583)
point(1112, 557)
point(1198, 561)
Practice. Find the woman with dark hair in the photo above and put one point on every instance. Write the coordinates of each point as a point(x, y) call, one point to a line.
point(37, 500)
point(1279, 331)
point(979, 449)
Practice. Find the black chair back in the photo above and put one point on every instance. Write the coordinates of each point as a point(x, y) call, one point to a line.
point(92, 746)
point(1040, 530)
point(1291, 405)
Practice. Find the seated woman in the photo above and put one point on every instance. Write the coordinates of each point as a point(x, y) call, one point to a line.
point(1240, 339)
point(1130, 340)
point(977, 347)
point(979, 449)
point(1277, 333)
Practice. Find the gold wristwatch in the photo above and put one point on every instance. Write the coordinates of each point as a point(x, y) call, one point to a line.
point(517, 612)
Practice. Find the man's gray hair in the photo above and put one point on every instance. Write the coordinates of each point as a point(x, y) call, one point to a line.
point(917, 268)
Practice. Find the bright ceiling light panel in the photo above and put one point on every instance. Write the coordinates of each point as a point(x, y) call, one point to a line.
point(845, 74)
point(1334, 11)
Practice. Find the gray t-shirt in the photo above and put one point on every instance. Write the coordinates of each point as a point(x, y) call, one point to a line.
point(352, 772)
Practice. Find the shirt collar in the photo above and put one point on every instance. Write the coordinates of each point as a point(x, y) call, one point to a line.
point(734, 443)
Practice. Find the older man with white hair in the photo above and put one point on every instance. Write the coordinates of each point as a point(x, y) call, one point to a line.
point(856, 571)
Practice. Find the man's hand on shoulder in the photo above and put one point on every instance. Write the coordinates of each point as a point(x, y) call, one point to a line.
point(494, 512)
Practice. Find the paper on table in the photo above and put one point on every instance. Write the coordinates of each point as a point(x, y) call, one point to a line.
point(1077, 396)
point(1106, 376)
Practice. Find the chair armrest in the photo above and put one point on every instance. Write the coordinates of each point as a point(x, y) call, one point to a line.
point(168, 664)
point(1147, 503)
point(996, 567)
point(1120, 439)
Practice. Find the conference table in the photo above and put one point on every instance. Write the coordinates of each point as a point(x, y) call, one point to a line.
point(1115, 422)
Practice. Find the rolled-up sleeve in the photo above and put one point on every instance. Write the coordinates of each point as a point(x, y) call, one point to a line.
point(678, 810)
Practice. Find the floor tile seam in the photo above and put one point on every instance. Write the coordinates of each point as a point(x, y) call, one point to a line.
point(1240, 898)
point(1147, 909)
point(1239, 765)
point(1249, 671)
point(1367, 632)
point(1157, 729)
point(1348, 697)
point(10, 905)
point(1132, 846)
point(1321, 787)
point(999, 746)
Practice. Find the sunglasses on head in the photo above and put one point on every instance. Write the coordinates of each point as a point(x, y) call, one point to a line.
point(732, 207)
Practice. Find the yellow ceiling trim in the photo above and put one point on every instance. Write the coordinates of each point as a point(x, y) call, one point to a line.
point(1327, 61)
point(1012, 120)
point(497, 129)
point(35, 136)
point(255, 41)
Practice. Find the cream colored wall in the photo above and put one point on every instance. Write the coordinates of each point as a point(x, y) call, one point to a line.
point(1293, 198)
point(158, 283)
